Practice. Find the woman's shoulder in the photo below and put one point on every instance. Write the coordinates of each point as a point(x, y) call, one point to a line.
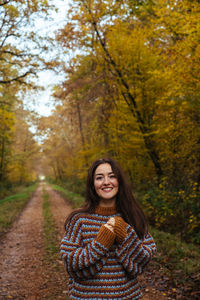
point(78, 217)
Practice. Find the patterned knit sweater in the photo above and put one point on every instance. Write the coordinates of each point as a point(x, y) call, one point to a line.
point(103, 264)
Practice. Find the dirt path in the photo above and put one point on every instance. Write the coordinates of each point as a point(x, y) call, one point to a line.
point(21, 254)
point(60, 209)
point(23, 271)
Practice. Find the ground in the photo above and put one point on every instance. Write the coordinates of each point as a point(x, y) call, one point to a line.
point(25, 274)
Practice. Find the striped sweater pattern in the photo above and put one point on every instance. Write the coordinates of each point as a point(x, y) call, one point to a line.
point(102, 264)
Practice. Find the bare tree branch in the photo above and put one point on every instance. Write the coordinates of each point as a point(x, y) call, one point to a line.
point(4, 103)
point(14, 53)
point(17, 78)
point(4, 2)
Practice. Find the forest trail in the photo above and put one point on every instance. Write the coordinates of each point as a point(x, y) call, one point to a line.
point(23, 271)
point(21, 253)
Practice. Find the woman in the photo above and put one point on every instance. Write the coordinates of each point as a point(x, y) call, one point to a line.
point(107, 243)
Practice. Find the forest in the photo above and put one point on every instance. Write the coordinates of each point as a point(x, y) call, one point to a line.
point(130, 91)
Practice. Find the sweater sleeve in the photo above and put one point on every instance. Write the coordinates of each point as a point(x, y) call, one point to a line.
point(120, 229)
point(84, 262)
point(134, 254)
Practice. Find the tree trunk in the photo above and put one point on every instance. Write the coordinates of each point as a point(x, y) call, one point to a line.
point(80, 123)
point(2, 160)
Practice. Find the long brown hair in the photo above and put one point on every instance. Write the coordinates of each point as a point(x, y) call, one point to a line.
point(126, 203)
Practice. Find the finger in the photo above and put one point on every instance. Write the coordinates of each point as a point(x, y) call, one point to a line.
point(109, 227)
point(111, 221)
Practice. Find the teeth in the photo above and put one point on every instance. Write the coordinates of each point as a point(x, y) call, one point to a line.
point(107, 189)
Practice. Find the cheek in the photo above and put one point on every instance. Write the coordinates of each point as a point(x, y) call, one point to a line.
point(115, 183)
point(97, 185)
point(117, 186)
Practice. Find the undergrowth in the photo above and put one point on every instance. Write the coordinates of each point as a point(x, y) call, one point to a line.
point(50, 234)
point(178, 260)
point(75, 199)
point(52, 253)
point(11, 206)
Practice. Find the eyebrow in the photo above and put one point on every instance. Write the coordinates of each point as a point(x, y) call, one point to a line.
point(103, 174)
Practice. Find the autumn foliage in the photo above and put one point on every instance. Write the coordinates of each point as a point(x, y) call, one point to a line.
point(132, 92)
point(20, 60)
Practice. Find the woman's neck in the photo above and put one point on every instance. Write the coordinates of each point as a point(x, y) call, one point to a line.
point(107, 203)
point(105, 210)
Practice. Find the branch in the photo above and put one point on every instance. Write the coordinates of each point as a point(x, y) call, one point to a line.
point(10, 63)
point(5, 2)
point(118, 72)
point(3, 21)
point(4, 103)
point(8, 34)
point(17, 78)
point(14, 53)
point(12, 24)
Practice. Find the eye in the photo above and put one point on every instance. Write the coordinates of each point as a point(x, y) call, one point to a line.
point(98, 177)
point(112, 176)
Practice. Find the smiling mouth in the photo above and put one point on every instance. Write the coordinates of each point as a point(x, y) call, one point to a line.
point(107, 189)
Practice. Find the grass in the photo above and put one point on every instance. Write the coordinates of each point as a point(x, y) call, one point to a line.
point(180, 260)
point(11, 206)
point(7, 190)
point(75, 199)
point(51, 254)
point(50, 234)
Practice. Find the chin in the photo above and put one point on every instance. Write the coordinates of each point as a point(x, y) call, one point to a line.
point(108, 198)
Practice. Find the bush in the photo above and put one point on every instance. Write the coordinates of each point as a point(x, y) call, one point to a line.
point(176, 211)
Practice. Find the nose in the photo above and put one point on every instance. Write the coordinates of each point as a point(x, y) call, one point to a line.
point(106, 180)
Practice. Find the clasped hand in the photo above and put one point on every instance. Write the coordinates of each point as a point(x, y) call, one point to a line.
point(110, 224)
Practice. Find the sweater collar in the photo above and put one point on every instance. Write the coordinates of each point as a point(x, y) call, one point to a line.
point(105, 211)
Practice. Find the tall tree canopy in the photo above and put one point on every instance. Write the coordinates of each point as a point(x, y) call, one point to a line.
point(22, 56)
point(20, 44)
point(132, 92)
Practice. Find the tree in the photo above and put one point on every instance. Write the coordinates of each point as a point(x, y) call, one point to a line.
point(134, 94)
point(25, 151)
point(20, 45)
point(101, 27)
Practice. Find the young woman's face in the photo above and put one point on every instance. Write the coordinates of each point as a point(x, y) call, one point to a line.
point(105, 182)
